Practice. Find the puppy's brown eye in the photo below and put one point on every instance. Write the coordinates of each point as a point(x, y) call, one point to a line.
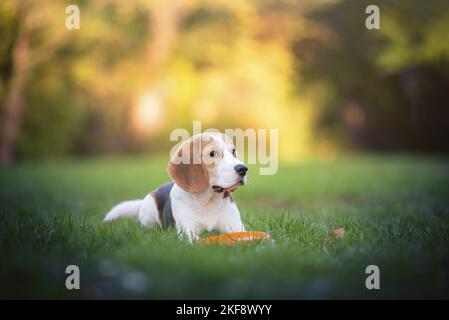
point(233, 152)
point(212, 154)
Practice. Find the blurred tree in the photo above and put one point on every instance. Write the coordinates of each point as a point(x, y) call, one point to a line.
point(137, 69)
point(21, 21)
point(387, 89)
point(66, 90)
point(24, 24)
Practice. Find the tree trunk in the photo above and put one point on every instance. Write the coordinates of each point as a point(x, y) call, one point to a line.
point(166, 18)
point(12, 110)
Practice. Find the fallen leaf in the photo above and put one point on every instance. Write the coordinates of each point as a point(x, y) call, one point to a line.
point(338, 233)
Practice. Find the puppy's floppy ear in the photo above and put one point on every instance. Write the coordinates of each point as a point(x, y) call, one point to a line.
point(186, 167)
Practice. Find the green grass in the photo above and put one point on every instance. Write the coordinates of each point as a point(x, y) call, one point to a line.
point(395, 211)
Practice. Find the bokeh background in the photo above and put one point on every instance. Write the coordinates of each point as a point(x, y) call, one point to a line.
point(136, 70)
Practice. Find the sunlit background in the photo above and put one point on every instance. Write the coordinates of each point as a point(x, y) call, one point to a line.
point(135, 70)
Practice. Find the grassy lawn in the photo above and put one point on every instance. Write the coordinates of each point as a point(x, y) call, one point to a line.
point(394, 209)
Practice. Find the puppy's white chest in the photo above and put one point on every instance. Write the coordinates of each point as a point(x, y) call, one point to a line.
point(193, 212)
point(210, 215)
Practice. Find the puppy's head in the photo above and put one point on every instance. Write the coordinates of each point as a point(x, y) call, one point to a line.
point(207, 160)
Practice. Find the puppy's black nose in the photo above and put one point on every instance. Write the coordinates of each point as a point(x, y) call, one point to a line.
point(241, 169)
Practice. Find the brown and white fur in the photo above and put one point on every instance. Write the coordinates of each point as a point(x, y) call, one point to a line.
point(200, 196)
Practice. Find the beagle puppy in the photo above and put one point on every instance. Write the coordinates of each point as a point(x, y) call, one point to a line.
point(205, 171)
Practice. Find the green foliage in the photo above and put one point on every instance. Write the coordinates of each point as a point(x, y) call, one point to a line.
point(54, 117)
point(8, 30)
point(393, 81)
